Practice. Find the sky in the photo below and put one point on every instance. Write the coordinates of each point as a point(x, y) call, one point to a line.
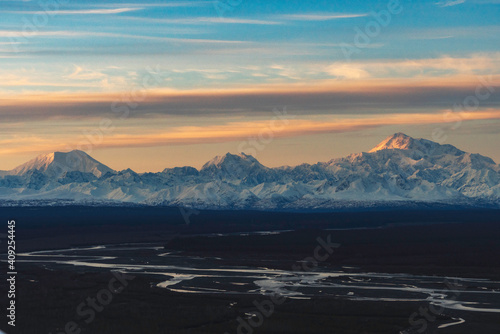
point(171, 83)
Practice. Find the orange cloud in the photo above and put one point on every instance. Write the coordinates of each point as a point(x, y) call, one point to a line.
point(233, 131)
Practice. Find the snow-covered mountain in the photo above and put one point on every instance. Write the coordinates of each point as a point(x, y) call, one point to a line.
point(399, 170)
point(58, 163)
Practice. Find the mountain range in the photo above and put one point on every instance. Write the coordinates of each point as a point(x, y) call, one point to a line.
point(399, 170)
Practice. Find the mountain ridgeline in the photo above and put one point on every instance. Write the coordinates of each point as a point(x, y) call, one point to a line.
point(398, 171)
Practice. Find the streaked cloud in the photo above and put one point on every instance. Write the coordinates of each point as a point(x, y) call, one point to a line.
point(450, 3)
point(169, 4)
point(333, 97)
point(347, 71)
point(320, 17)
point(204, 20)
point(79, 11)
point(298, 77)
point(486, 2)
point(22, 35)
point(487, 63)
point(234, 131)
point(226, 20)
point(60, 33)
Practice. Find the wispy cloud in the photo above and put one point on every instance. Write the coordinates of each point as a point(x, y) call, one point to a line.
point(318, 97)
point(205, 20)
point(80, 11)
point(61, 33)
point(320, 17)
point(347, 71)
point(67, 33)
point(187, 3)
point(486, 2)
point(225, 20)
point(297, 127)
point(450, 3)
point(432, 67)
point(477, 33)
point(430, 37)
point(233, 131)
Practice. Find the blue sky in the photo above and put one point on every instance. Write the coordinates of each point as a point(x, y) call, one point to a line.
point(229, 63)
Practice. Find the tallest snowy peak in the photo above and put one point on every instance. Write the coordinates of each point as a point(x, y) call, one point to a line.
point(230, 159)
point(396, 141)
point(423, 147)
